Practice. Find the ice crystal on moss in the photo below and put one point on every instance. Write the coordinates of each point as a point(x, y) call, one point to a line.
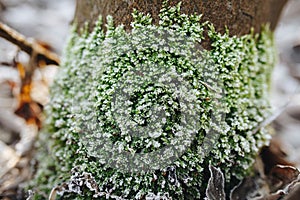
point(146, 112)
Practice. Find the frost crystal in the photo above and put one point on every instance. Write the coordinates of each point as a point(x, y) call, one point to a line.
point(144, 113)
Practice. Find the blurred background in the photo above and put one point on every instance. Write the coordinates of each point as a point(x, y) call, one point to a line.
point(48, 22)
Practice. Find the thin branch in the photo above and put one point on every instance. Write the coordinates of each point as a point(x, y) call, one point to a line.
point(28, 45)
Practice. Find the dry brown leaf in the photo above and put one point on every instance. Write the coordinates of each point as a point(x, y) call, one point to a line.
point(215, 188)
point(275, 196)
point(273, 155)
point(30, 111)
point(281, 176)
point(274, 179)
point(27, 108)
point(294, 194)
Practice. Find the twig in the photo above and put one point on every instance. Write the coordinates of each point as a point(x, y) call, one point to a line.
point(28, 45)
point(7, 64)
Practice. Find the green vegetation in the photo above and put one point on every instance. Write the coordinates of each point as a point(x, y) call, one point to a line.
point(202, 105)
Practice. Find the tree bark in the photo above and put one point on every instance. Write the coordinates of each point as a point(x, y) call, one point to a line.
point(239, 16)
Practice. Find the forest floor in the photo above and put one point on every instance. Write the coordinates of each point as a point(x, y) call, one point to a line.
point(48, 22)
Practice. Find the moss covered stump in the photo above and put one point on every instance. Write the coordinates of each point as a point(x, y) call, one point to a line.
point(142, 114)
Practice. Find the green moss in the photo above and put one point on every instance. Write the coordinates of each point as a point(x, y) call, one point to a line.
point(202, 107)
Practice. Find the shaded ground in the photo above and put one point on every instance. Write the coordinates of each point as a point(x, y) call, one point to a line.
point(48, 21)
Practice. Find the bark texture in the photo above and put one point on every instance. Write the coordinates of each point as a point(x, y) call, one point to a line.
point(238, 15)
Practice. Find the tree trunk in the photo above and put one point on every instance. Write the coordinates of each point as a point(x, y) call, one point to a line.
point(159, 79)
point(239, 16)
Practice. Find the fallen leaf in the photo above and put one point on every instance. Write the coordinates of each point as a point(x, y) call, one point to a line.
point(275, 196)
point(215, 188)
point(250, 188)
point(8, 159)
point(27, 108)
point(79, 181)
point(294, 194)
point(30, 111)
point(273, 155)
point(281, 176)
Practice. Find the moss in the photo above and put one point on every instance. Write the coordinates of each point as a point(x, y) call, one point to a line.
point(144, 113)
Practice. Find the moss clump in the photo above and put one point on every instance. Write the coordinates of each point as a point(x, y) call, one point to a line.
point(143, 114)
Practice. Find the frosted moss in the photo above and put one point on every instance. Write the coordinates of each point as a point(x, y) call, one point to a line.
point(186, 93)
